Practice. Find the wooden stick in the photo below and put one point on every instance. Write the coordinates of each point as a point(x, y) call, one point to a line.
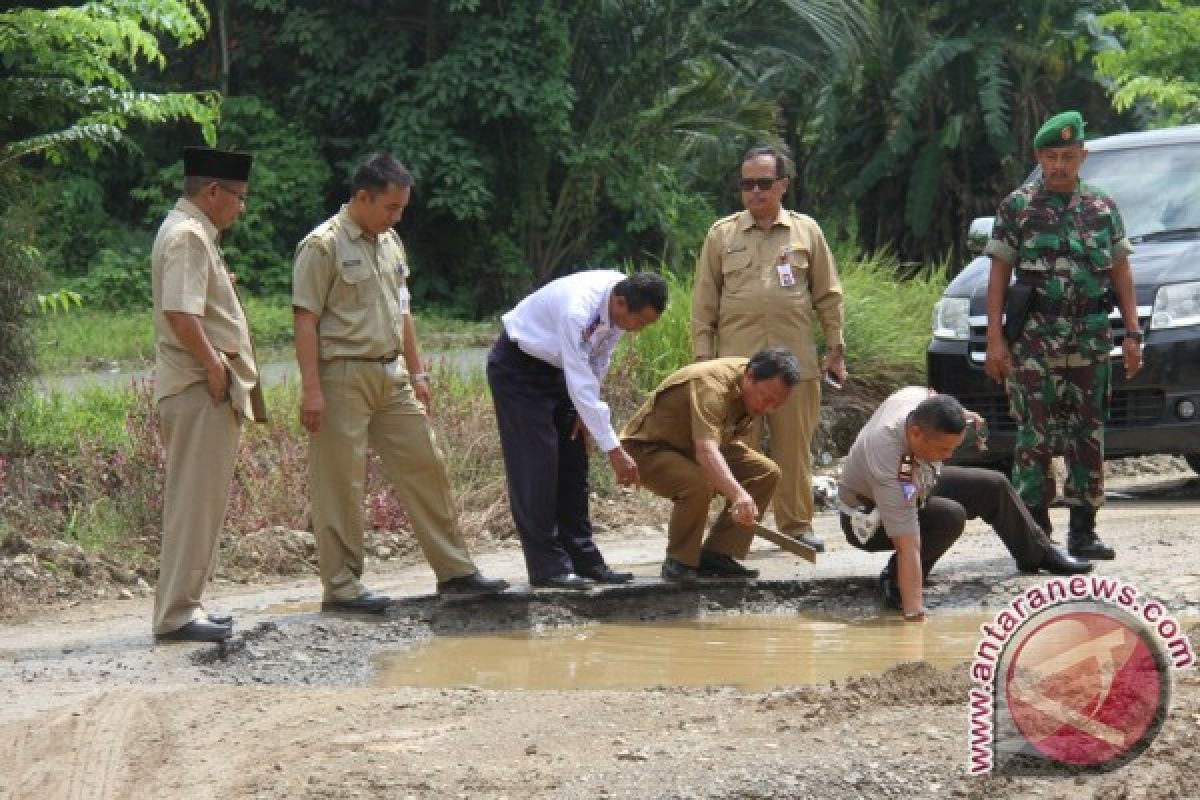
point(794, 546)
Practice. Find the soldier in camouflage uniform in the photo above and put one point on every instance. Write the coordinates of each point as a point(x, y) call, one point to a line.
point(1067, 239)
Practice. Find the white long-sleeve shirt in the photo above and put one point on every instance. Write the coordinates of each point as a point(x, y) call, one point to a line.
point(566, 324)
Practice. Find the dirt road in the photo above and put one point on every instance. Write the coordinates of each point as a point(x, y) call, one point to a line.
point(89, 708)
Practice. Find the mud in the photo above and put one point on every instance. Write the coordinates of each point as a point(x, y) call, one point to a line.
point(90, 708)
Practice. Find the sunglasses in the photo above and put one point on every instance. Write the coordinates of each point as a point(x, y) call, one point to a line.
point(762, 184)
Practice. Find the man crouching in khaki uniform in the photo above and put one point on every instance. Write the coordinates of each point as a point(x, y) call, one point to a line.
point(362, 384)
point(205, 376)
point(688, 440)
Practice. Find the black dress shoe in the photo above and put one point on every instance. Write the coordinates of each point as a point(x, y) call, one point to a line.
point(472, 584)
point(889, 591)
point(219, 618)
point(678, 572)
point(606, 574)
point(198, 630)
point(1056, 562)
point(365, 603)
point(806, 536)
point(568, 581)
point(721, 565)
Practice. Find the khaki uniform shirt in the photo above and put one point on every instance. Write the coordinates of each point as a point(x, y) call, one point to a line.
point(739, 304)
point(357, 285)
point(701, 401)
point(188, 275)
point(881, 472)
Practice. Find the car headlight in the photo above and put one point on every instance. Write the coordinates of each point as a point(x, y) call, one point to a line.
point(950, 318)
point(1176, 305)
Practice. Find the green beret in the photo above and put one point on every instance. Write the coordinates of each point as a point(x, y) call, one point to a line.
point(1061, 129)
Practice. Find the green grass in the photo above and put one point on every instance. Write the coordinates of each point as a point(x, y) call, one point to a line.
point(56, 421)
point(887, 327)
point(86, 340)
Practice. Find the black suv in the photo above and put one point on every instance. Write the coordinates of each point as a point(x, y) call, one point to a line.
point(1155, 179)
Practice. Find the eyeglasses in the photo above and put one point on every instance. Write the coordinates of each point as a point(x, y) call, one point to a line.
point(762, 184)
point(241, 196)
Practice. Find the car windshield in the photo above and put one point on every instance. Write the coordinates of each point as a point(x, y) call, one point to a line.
point(1156, 188)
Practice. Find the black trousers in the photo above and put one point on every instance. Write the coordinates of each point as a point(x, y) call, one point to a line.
point(964, 493)
point(547, 471)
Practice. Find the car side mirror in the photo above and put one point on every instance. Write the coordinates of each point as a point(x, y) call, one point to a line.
point(978, 234)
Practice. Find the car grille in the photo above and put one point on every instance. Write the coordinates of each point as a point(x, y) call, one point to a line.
point(1129, 408)
point(977, 344)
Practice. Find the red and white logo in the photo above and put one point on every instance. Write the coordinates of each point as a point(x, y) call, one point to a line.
point(1085, 686)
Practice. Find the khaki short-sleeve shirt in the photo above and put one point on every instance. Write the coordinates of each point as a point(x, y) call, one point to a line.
point(881, 471)
point(741, 304)
point(188, 275)
point(357, 284)
point(702, 401)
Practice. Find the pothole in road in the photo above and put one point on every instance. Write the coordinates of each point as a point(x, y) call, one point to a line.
point(751, 652)
point(769, 633)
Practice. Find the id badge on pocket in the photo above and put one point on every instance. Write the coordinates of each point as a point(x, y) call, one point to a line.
point(784, 272)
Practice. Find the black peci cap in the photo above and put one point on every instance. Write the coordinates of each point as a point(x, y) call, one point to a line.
point(225, 165)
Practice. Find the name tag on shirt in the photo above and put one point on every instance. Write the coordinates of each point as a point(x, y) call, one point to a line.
point(784, 272)
point(404, 299)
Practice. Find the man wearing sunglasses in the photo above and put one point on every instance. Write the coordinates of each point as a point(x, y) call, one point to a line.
point(764, 275)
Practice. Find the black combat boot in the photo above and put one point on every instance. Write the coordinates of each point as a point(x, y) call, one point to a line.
point(1041, 515)
point(1082, 541)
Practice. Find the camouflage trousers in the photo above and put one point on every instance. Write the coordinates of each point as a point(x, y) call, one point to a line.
point(1059, 410)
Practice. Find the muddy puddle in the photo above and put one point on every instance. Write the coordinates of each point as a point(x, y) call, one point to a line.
point(752, 652)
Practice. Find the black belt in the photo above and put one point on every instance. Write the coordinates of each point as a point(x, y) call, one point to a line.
point(373, 359)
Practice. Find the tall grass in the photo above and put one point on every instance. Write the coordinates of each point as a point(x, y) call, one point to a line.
point(887, 328)
point(88, 339)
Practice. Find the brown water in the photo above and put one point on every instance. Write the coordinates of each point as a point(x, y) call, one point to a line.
point(751, 652)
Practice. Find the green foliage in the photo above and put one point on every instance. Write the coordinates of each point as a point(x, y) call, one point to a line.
point(119, 277)
point(61, 300)
point(67, 71)
point(68, 90)
point(18, 274)
point(945, 103)
point(1157, 66)
point(57, 420)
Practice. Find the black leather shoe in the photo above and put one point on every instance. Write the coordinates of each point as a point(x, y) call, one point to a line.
point(1056, 562)
point(606, 574)
point(721, 565)
point(568, 581)
point(806, 536)
point(472, 584)
point(198, 630)
point(219, 618)
point(365, 603)
point(678, 572)
point(889, 590)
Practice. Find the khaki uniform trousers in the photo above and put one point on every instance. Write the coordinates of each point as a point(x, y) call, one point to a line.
point(791, 431)
point(669, 473)
point(368, 402)
point(200, 440)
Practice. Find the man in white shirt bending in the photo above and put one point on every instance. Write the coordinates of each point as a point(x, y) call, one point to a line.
point(545, 371)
